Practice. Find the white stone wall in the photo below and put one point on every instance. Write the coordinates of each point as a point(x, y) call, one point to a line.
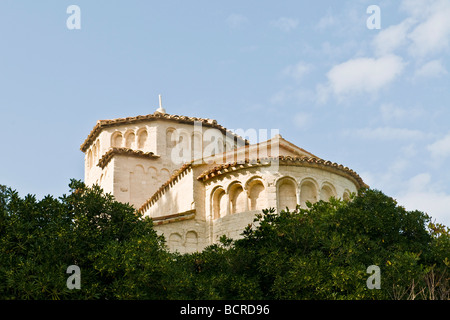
point(184, 236)
point(93, 173)
point(210, 226)
point(178, 198)
point(184, 195)
point(137, 179)
point(224, 204)
point(232, 224)
point(133, 179)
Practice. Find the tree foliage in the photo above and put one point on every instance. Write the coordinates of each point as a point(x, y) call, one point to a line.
point(317, 253)
point(118, 252)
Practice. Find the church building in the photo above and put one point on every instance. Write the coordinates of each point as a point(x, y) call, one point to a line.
point(199, 181)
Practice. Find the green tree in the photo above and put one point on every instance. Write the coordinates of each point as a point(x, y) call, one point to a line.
point(317, 253)
point(215, 273)
point(323, 253)
point(118, 252)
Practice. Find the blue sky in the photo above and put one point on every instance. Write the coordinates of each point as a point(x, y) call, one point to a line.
point(375, 100)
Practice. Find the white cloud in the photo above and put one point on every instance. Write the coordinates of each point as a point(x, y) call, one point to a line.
point(387, 133)
point(285, 24)
point(326, 21)
point(364, 75)
point(424, 32)
point(343, 23)
point(390, 177)
point(369, 178)
point(418, 8)
point(435, 204)
point(297, 71)
point(440, 148)
point(431, 69)
point(341, 49)
point(416, 193)
point(421, 195)
point(432, 35)
point(392, 113)
point(410, 150)
point(280, 97)
point(302, 120)
point(390, 39)
point(419, 182)
point(236, 20)
point(292, 94)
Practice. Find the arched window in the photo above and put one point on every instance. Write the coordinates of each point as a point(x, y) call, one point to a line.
point(170, 138)
point(183, 147)
point(175, 243)
point(346, 195)
point(191, 241)
point(237, 199)
point(326, 192)
point(142, 138)
point(130, 138)
point(219, 206)
point(153, 175)
point(98, 148)
point(257, 196)
point(89, 159)
point(287, 194)
point(94, 152)
point(164, 175)
point(116, 139)
point(308, 192)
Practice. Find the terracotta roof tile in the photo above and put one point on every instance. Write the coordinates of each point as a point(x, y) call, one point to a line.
point(101, 124)
point(232, 166)
point(106, 158)
point(174, 217)
point(283, 160)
